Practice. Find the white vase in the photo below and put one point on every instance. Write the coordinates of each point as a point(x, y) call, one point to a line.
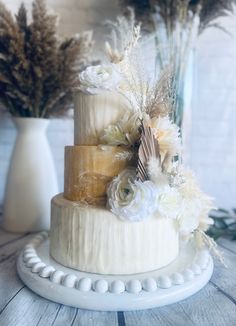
point(31, 181)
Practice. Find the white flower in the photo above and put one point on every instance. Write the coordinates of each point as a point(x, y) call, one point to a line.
point(169, 202)
point(124, 132)
point(95, 79)
point(195, 205)
point(167, 134)
point(131, 199)
point(156, 174)
point(189, 215)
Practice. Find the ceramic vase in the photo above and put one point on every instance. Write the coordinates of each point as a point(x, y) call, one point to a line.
point(31, 181)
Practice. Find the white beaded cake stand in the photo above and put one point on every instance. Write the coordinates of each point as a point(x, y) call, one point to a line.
point(184, 277)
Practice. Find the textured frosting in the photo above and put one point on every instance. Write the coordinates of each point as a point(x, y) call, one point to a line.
point(94, 113)
point(182, 271)
point(88, 170)
point(94, 240)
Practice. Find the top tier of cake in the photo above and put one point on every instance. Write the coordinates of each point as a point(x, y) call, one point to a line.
point(94, 113)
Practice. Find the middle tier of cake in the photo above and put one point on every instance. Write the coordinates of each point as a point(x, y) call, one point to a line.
point(89, 169)
point(93, 239)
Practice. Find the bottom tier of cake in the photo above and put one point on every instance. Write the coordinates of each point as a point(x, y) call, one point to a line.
point(92, 239)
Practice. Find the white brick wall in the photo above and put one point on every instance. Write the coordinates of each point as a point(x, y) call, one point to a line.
point(213, 136)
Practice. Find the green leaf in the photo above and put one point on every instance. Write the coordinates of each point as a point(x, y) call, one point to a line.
point(223, 211)
point(232, 227)
point(220, 224)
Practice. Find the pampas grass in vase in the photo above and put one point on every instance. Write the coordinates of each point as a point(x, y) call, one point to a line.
point(175, 26)
point(37, 74)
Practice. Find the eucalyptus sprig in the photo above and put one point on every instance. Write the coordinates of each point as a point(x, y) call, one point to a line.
point(224, 224)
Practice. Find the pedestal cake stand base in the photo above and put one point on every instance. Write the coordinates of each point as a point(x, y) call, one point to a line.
point(189, 273)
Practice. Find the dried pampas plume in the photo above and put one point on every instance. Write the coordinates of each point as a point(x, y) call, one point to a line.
point(37, 70)
point(125, 33)
point(181, 11)
point(161, 97)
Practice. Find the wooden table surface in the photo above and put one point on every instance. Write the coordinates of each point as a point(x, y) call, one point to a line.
point(214, 305)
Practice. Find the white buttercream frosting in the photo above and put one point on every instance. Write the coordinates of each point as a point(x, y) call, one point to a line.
point(96, 79)
point(95, 240)
point(130, 199)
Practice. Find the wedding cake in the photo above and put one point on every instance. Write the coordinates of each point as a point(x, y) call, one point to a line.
point(127, 199)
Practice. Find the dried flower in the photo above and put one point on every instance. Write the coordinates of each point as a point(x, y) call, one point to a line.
point(124, 37)
point(124, 132)
point(167, 135)
point(156, 173)
point(180, 10)
point(37, 71)
point(196, 205)
point(148, 149)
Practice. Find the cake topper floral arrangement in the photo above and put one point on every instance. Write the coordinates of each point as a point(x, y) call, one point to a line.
point(37, 69)
point(156, 183)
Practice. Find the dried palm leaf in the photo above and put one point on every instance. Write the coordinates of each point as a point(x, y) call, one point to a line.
point(148, 149)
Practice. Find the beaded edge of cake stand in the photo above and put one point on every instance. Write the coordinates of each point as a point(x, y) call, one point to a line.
point(134, 286)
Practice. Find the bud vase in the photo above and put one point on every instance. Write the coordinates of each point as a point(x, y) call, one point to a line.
point(31, 181)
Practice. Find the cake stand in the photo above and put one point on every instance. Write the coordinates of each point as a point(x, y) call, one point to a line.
point(189, 273)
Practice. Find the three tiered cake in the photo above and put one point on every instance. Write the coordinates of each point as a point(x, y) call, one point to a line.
point(127, 198)
point(86, 235)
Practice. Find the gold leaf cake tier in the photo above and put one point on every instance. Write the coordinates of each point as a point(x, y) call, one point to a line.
point(88, 170)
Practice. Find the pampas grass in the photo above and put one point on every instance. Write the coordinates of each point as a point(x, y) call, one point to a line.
point(172, 11)
point(175, 26)
point(146, 92)
point(125, 34)
point(37, 70)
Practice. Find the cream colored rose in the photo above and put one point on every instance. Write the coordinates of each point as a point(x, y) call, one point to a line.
point(130, 199)
point(95, 79)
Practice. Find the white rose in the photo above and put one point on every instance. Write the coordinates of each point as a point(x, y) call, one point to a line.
point(189, 215)
point(95, 79)
point(169, 202)
point(195, 206)
point(131, 199)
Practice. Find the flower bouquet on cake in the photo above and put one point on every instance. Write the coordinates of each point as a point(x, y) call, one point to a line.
point(126, 191)
point(156, 182)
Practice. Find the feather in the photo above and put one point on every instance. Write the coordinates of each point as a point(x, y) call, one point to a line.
point(149, 148)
